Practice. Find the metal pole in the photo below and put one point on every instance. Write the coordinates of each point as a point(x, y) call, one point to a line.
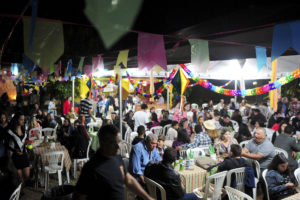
point(73, 90)
point(120, 104)
point(235, 87)
point(168, 95)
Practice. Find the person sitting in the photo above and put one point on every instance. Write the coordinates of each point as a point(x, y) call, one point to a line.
point(200, 139)
point(200, 123)
point(164, 174)
point(49, 122)
point(65, 134)
point(80, 142)
point(244, 133)
point(280, 130)
point(34, 110)
point(105, 173)
point(71, 114)
point(172, 131)
point(182, 138)
point(154, 121)
point(67, 106)
point(273, 119)
point(257, 116)
point(141, 154)
point(281, 183)
point(161, 145)
point(234, 159)
point(211, 130)
point(226, 122)
point(184, 124)
point(224, 111)
point(141, 135)
point(260, 149)
point(34, 124)
point(276, 126)
point(224, 143)
point(296, 122)
point(216, 118)
point(286, 142)
point(165, 119)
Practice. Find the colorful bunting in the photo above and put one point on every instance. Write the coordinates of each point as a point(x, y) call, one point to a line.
point(151, 51)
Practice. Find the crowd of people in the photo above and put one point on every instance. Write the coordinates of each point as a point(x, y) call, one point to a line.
point(220, 125)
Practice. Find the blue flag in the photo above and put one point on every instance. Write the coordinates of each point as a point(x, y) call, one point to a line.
point(261, 57)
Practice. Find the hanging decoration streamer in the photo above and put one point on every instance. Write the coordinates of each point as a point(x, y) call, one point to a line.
point(249, 92)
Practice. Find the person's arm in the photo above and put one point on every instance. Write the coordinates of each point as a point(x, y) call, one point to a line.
point(255, 156)
point(136, 163)
point(295, 146)
point(136, 188)
point(91, 115)
point(274, 186)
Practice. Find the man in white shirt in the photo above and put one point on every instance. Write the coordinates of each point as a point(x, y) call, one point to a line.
point(140, 117)
point(172, 131)
point(220, 105)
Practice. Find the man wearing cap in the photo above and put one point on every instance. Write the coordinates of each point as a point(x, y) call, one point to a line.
point(211, 129)
point(260, 148)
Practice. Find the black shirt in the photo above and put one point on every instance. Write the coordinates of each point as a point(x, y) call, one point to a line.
point(232, 163)
point(136, 140)
point(165, 122)
point(102, 178)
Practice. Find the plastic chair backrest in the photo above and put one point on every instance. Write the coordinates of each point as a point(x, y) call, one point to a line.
point(194, 106)
point(183, 153)
point(218, 181)
point(48, 131)
point(264, 174)
point(127, 134)
point(204, 148)
point(132, 136)
point(157, 130)
point(297, 175)
point(279, 150)
point(54, 159)
point(255, 165)
point(152, 187)
point(243, 144)
point(33, 131)
point(166, 127)
point(198, 152)
point(239, 178)
point(125, 148)
point(88, 149)
point(16, 194)
point(234, 194)
point(235, 125)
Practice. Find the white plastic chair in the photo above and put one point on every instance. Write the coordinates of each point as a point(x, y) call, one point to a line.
point(279, 150)
point(264, 174)
point(234, 194)
point(239, 178)
point(297, 175)
point(152, 187)
point(256, 166)
point(198, 152)
point(16, 194)
point(127, 134)
point(53, 162)
point(34, 130)
point(183, 153)
point(132, 136)
point(243, 144)
point(218, 181)
point(48, 131)
point(204, 148)
point(194, 106)
point(76, 161)
point(125, 149)
point(157, 130)
point(236, 126)
point(165, 129)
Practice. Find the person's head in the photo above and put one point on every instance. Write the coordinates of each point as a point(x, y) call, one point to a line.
point(33, 122)
point(279, 163)
point(17, 120)
point(152, 110)
point(144, 106)
point(154, 117)
point(109, 139)
point(211, 103)
point(198, 128)
point(217, 115)
point(70, 99)
point(76, 124)
point(289, 129)
point(187, 107)
point(161, 141)
point(279, 120)
point(48, 116)
point(36, 106)
point(113, 115)
point(39, 112)
point(52, 98)
point(175, 125)
point(200, 120)
point(151, 141)
point(184, 123)
point(221, 100)
point(282, 126)
point(181, 136)
point(226, 119)
point(45, 112)
point(256, 111)
point(225, 134)
point(67, 122)
point(277, 114)
point(170, 155)
point(225, 107)
point(235, 150)
point(141, 130)
point(260, 135)
point(285, 100)
point(3, 118)
point(165, 116)
point(259, 124)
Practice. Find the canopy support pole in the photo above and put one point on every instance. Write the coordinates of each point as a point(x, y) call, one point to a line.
point(120, 100)
point(73, 90)
point(235, 87)
point(168, 94)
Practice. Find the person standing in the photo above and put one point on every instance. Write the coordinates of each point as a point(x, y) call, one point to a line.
point(86, 108)
point(140, 117)
point(67, 106)
point(105, 175)
point(52, 106)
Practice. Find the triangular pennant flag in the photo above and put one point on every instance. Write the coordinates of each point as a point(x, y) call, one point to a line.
point(80, 65)
point(28, 64)
point(117, 71)
point(199, 55)
point(59, 68)
point(176, 82)
point(151, 51)
point(88, 69)
point(122, 57)
point(242, 62)
point(97, 63)
point(261, 57)
point(112, 19)
point(69, 67)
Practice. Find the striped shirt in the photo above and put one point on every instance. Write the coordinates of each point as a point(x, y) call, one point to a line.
point(85, 105)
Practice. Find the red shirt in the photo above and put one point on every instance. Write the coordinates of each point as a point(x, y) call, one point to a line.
point(66, 107)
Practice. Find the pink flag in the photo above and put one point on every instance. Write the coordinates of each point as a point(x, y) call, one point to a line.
point(88, 69)
point(98, 63)
point(151, 51)
point(59, 68)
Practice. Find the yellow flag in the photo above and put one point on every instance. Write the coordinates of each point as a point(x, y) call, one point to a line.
point(125, 88)
point(184, 81)
point(122, 57)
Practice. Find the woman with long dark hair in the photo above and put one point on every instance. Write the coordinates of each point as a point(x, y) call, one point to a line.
point(129, 120)
point(80, 140)
point(17, 137)
point(154, 121)
point(281, 183)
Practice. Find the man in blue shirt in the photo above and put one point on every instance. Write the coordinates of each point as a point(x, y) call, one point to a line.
point(141, 154)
